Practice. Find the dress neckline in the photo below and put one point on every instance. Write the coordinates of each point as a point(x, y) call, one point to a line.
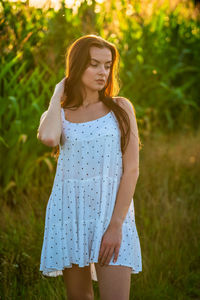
point(103, 117)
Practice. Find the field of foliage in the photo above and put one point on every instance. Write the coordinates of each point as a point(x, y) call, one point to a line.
point(159, 46)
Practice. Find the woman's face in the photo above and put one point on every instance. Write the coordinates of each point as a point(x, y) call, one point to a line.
point(99, 68)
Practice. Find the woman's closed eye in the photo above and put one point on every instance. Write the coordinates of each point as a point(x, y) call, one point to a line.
point(107, 67)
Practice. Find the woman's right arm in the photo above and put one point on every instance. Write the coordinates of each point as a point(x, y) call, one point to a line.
point(50, 127)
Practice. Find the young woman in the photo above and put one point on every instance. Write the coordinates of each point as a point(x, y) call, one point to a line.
point(90, 231)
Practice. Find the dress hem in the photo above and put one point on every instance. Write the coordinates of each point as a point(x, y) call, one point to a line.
point(58, 272)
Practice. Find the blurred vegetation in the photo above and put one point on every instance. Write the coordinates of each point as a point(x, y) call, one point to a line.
point(159, 46)
point(159, 72)
point(167, 208)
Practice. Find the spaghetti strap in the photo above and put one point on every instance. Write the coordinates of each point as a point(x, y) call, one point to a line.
point(62, 113)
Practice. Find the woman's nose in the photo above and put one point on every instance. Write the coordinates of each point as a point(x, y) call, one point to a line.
point(102, 70)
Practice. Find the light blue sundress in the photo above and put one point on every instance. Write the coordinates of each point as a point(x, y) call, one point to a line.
point(82, 199)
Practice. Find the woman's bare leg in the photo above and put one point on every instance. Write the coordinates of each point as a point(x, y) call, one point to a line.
point(114, 282)
point(78, 283)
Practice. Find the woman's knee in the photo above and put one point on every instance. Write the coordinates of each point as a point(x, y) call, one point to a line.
point(80, 296)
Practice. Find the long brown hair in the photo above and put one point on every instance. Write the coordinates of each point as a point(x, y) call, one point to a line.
point(77, 60)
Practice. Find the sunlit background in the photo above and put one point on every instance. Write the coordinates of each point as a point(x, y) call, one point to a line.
point(159, 72)
point(147, 6)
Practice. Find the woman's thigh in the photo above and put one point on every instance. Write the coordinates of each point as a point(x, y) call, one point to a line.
point(78, 282)
point(114, 281)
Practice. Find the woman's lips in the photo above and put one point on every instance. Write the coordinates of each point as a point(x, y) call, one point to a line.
point(100, 81)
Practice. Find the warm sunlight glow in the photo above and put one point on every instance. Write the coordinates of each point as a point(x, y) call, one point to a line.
point(54, 3)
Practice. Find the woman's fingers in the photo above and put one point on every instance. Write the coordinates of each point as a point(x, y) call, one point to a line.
point(116, 254)
point(59, 88)
point(110, 243)
point(63, 80)
point(107, 253)
point(110, 254)
point(104, 256)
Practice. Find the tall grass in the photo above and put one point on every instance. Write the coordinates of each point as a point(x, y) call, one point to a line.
point(159, 72)
point(167, 217)
point(26, 94)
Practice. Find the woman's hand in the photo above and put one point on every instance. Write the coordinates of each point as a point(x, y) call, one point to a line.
point(59, 89)
point(111, 242)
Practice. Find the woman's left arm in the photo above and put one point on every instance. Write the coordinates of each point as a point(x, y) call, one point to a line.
point(112, 237)
point(130, 168)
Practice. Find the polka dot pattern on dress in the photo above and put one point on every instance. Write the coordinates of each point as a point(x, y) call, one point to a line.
point(82, 199)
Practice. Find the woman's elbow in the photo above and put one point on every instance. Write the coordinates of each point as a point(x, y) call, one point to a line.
point(50, 142)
